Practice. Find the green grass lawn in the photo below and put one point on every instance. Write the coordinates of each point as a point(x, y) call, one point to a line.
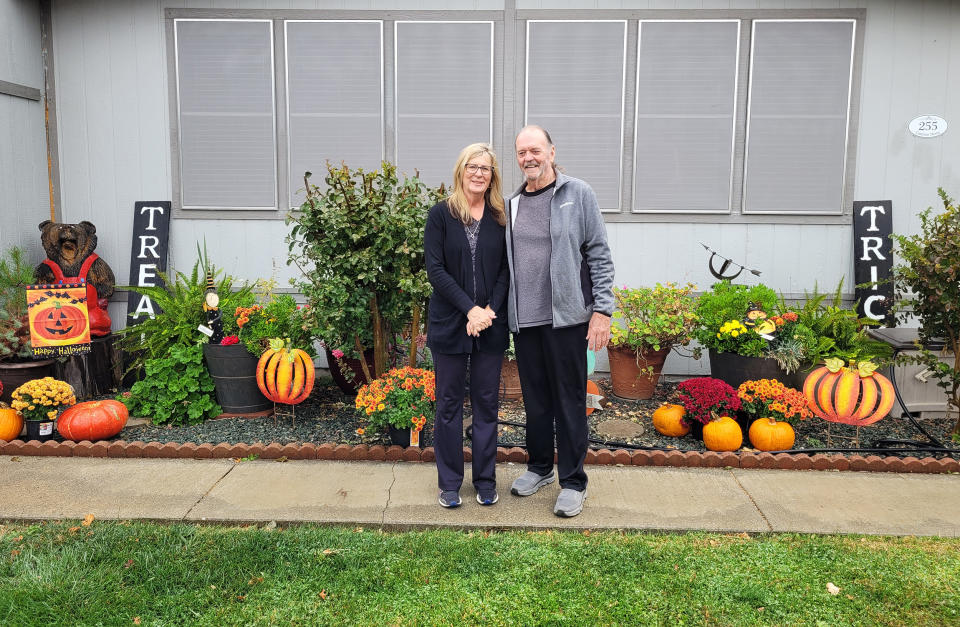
point(139, 573)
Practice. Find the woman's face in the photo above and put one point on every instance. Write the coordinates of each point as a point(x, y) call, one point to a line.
point(478, 181)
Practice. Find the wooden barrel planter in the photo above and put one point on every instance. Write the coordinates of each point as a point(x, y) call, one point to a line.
point(13, 374)
point(234, 372)
point(734, 369)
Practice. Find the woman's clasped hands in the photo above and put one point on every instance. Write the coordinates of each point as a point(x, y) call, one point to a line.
point(479, 319)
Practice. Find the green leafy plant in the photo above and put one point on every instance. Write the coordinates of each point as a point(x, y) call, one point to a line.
point(726, 302)
point(358, 242)
point(928, 286)
point(653, 318)
point(15, 274)
point(176, 388)
point(180, 305)
point(279, 316)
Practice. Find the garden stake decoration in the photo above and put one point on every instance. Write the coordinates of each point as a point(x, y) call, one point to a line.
point(853, 395)
point(719, 273)
point(285, 375)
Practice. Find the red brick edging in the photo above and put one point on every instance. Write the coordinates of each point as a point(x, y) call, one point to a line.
point(377, 452)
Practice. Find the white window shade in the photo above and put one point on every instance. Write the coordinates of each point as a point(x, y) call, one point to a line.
point(798, 119)
point(334, 98)
point(575, 81)
point(444, 82)
point(686, 99)
point(227, 125)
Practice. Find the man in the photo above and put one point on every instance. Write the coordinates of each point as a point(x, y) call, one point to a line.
point(561, 300)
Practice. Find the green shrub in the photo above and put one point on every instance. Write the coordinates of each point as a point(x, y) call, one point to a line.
point(724, 303)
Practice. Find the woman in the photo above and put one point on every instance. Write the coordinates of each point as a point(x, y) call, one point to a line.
point(467, 266)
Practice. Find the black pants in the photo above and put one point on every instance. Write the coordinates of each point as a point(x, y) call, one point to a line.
point(451, 373)
point(553, 376)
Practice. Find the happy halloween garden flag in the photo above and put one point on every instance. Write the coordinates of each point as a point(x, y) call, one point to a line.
point(59, 323)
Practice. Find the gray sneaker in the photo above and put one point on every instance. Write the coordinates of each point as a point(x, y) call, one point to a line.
point(529, 482)
point(569, 503)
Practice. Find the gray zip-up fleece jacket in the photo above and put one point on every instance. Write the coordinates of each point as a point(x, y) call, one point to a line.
point(581, 266)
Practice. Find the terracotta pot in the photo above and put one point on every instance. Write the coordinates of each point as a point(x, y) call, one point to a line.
point(625, 376)
point(354, 379)
point(510, 381)
point(13, 374)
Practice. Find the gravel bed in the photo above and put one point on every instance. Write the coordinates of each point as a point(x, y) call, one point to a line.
point(329, 416)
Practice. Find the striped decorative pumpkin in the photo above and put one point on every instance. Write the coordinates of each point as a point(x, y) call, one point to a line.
point(853, 395)
point(284, 374)
point(93, 420)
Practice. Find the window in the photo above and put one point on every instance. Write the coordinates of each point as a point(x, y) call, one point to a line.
point(575, 82)
point(799, 106)
point(334, 98)
point(444, 83)
point(225, 112)
point(686, 109)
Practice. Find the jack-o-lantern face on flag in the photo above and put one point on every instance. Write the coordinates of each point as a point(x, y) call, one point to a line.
point(59, 323)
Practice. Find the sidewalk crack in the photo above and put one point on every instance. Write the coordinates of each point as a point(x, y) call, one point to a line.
point(383, 514)
point(750, 496)
point(204, 495)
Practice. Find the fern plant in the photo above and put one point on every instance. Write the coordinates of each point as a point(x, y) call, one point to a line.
point(180, 304)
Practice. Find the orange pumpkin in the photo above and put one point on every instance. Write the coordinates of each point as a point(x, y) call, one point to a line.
point(592, 389)
point(59, 322)
point(668, 420)
point(93, 420)
point(854, 395)
point(722, 434)
point(11, 424)
point(766, 434)
point(285, 375)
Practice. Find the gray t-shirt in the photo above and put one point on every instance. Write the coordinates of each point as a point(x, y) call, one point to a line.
point(531, 253)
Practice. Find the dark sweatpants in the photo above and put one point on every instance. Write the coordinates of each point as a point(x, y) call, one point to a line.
point(451, 373)
point(553, 376)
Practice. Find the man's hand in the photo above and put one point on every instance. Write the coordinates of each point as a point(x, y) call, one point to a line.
point(598, 332)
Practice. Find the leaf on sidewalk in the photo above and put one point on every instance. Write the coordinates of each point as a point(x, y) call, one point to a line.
point(87, 520)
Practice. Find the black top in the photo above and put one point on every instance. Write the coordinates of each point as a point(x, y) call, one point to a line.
point(450, 271)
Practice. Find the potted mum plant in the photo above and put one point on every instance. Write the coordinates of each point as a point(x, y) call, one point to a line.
point(17, 365)
point(648, 322)
point(704, 400)
point(39, 401)
point(770, 408)
point(400, 402)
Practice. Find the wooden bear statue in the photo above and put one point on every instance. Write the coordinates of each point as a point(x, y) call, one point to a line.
point(70, 257)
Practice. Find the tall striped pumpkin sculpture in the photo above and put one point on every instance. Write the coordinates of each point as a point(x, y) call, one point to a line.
point(284, 374)
point(853, 395)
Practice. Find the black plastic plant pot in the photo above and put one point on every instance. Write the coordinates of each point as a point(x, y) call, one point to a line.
point(39, 430)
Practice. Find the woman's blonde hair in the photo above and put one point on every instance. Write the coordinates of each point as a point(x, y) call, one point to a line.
point(457, 202)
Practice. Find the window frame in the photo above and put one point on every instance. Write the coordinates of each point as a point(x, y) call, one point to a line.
point(286, 87)
point(733, 125)
point(178, 126)
point(623, 92)
point(844, 197)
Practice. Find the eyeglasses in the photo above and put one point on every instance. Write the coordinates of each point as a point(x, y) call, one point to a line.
point(473, 168)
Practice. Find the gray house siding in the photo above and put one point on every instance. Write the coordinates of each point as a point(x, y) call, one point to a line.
point(24, 197)
point(115, 125)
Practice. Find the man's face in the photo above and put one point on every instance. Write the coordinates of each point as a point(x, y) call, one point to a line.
point(534, 155)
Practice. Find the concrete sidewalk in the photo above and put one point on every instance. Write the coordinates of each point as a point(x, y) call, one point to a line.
point(404, 495)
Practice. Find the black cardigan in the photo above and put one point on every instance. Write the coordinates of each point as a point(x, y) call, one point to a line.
point(449, 269)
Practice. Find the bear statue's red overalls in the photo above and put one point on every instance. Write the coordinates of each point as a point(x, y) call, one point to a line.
point(96, 307)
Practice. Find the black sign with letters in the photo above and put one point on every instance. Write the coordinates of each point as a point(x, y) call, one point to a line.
point(151, 234)
point(873, 258)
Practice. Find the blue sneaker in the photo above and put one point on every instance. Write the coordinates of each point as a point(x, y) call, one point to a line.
point(450, 498)
point(487, 496)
